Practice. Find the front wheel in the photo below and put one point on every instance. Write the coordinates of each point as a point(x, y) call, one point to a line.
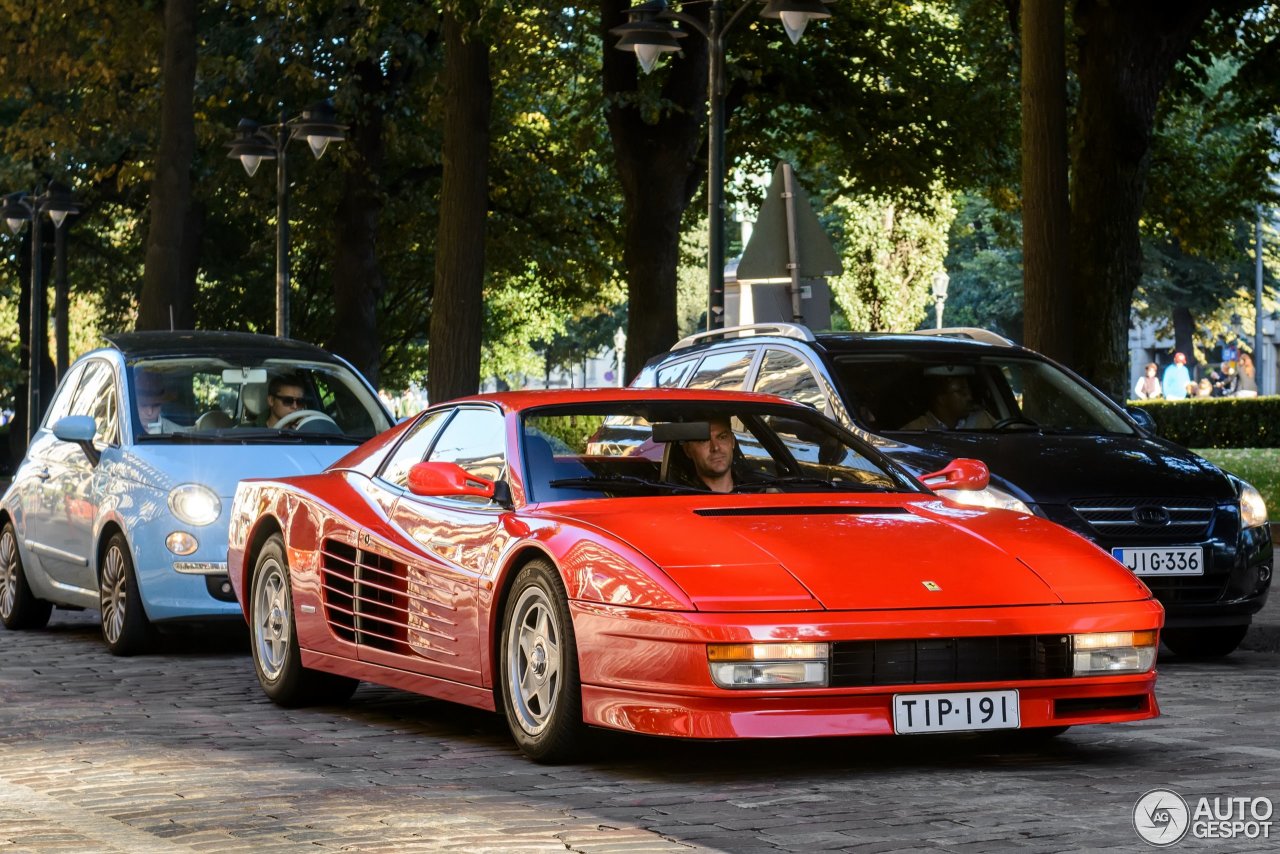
point(125, 627)
point(541, 693)
point(1211, 642)
point(19, 608)
point(277, 657)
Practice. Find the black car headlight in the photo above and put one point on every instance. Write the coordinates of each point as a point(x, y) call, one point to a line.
point(1253, 509)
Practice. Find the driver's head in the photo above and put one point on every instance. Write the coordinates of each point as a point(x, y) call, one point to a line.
point(284, 395)
point(712, 458)
point(151, 395)
point(951, 399)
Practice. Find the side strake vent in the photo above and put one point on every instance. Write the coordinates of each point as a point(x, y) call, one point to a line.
point(802, 511)
point(365, 597)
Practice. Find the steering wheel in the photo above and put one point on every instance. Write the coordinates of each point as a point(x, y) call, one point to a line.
point(1015, 419)
point(295, 420)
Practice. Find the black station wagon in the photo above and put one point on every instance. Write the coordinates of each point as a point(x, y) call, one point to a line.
point(1057, 447)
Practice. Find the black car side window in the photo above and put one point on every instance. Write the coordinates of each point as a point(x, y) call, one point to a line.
point(723, 369)
point(674, 375)
point(787, 375)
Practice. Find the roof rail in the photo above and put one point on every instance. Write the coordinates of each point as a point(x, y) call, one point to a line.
point(973, 333)
point(782, 330)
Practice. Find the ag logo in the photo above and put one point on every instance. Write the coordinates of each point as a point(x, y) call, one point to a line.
point(1161, 817)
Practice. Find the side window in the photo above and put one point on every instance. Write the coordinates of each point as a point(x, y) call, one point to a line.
point(61, 405)
point(413, 448)
point(787, 375)
point(96, 397)
point(474, 439)
point(674, 375)
point(725, 369)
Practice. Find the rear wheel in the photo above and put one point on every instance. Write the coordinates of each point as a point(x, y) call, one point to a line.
point(541, 694)
point(125, 627)
point(1211, 642)
point(19, 608)
point(277, 657)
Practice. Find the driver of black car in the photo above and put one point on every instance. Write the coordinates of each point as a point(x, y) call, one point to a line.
point(951, 405)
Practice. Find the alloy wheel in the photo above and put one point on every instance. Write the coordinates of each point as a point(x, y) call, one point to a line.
point(271, 627)
point(113, 592)
point(533, 659)
point(8, 574)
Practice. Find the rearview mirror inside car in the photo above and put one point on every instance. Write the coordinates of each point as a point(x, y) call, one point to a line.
point(242, 376)
point(681, 431)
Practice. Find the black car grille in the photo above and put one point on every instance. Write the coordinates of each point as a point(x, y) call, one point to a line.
point(365, 597)
point(1182, 519)
point(936, 660)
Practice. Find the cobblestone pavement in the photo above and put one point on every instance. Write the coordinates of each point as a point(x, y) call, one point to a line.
point(180, 752)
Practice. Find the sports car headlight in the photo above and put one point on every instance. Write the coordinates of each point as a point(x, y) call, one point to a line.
point(1253, 510)
point(1105, 653)
point(769, 665)
point(194, 504)
point(993, 498)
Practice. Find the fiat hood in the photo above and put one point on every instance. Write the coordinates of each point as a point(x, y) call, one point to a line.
point(900, 553)
point(221, 467)
point(1060, 468)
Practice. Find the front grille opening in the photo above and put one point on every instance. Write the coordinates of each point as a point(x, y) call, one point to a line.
point(935, 660)
point(1076, 706)
point(1183, 518)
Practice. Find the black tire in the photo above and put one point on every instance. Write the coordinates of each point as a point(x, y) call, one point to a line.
point(540, 690)
point(125, 627)
point(1210, 642)
point(19, 608)
point(273, 639)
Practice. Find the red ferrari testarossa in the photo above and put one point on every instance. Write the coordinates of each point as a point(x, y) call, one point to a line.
point(691, 564)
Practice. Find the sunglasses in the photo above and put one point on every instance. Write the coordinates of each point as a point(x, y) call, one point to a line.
point(289, 400)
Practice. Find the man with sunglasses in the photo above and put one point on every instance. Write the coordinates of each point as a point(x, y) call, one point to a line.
point(284, 396)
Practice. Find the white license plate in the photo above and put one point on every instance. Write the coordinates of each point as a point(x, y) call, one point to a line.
point(1175, 560)
point(955, 712)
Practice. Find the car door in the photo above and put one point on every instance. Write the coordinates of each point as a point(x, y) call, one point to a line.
point(454, 544)
point(73, 486)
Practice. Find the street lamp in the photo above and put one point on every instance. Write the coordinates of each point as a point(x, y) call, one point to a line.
point(940, 282)
point(20, 208)
point(255, 143)
point(649, 33)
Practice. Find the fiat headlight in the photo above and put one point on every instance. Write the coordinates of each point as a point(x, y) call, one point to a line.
point(1253, 510)
point(769, 665)
point(194, 504)
point(1104, 653)
point(992, 498)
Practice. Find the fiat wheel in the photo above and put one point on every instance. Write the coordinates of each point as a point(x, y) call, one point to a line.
point(274, 642)
point(125, 627)
point(542, 695)
point(19, 608)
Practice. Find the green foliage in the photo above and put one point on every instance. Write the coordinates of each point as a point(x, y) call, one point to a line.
point(984, 260)
point(1259, 467)
point(890, 254)
point(1217, 422)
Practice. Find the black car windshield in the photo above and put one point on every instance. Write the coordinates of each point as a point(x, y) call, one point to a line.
point(623, 449)
point(991, 393)
point(217, 399)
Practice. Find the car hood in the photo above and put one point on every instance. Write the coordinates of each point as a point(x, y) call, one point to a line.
point(221, 467)
point(1059, 469)
point(905, 552)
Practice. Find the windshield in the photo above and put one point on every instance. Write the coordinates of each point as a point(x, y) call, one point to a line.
point(996, 393)
point(193, 398)
point(620, 449)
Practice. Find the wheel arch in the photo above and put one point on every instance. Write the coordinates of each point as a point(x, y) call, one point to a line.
point(266, 526)
point(108, 530)
point(522, 556)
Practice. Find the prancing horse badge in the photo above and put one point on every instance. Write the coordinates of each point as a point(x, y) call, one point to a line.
point(931, 586)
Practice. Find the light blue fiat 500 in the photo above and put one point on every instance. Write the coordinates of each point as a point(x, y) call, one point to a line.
point(121, 502)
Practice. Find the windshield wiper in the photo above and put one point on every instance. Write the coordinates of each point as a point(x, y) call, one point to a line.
point(613, 481)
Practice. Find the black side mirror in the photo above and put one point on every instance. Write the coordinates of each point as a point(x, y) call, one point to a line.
point(1144, 419)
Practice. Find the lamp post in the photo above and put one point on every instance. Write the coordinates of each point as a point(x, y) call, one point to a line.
point(649, 33)
point(940, 282)
point(254, 143)
point(20, 208)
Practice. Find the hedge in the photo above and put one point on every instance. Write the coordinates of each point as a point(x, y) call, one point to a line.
point(1217, 422)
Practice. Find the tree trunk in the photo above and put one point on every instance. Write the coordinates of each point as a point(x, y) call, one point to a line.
point(660, 162)
point(1127, 51)
point(1046, 212)
point(357, 278)
point(1184, 330)
point(168, 282)
point(457, 307)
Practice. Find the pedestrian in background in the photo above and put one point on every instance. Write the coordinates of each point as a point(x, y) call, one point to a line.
point(1247, 383)
point(1176, 378)
point(1148, 387)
